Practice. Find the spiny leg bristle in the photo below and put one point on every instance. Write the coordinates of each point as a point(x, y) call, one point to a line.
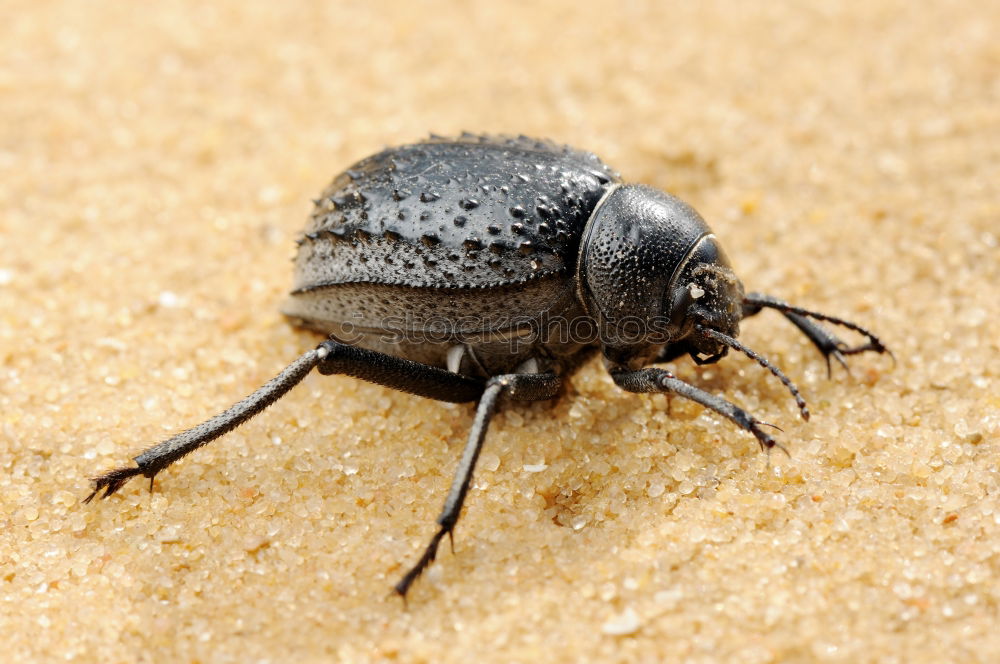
point(768, 424)
point(111, 481)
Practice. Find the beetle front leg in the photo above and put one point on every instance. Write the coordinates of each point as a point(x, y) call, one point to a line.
point(519, 387)
point(661, 381)
point(828, 343)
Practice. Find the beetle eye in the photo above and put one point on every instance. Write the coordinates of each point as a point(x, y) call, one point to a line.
point(701, 318)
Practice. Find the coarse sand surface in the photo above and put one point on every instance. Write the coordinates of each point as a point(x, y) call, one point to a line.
point(156, 166)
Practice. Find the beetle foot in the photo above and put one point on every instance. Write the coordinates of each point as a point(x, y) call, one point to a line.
point(426, 559)
point(839, 351)
point(875, 346)
point(764, 439)
point(838, 355)
point(113, 480)
point(767, 443)
point(781, 447)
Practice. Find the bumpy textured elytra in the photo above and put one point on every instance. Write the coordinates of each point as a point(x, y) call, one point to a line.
point(487, 269)
point(472, 213)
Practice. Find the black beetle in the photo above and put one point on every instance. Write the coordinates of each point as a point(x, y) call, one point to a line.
point(484, 267)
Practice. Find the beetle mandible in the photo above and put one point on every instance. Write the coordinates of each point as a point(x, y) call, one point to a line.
point(486, 268)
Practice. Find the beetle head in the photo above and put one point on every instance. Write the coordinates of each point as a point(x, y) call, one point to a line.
point(705, 292)
point(650, 272)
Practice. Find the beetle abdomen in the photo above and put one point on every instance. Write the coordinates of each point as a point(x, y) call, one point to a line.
point(423, 324)
point(471, 212)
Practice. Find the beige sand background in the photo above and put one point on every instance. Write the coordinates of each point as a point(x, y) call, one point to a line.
point(156, 163)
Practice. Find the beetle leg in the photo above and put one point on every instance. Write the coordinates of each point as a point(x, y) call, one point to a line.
point(399, 374)
point(330, 357)
point(519, 387)
point(159, 456)
point(828, 343)
point(661, 381)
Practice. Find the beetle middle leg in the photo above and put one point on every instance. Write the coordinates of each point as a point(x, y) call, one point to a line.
point(519, 387)
point(655, 380)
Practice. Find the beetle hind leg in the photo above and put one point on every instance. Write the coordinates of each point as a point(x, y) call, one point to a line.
point(519, 387)
point(330, 357)
point(161, 455)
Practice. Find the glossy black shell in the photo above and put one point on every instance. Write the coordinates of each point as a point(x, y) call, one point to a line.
point(471, 212)
point(470, 239)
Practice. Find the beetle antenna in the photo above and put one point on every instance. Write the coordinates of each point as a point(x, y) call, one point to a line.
point(762, 361)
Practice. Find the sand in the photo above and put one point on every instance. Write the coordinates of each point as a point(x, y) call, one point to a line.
point(156, 164)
